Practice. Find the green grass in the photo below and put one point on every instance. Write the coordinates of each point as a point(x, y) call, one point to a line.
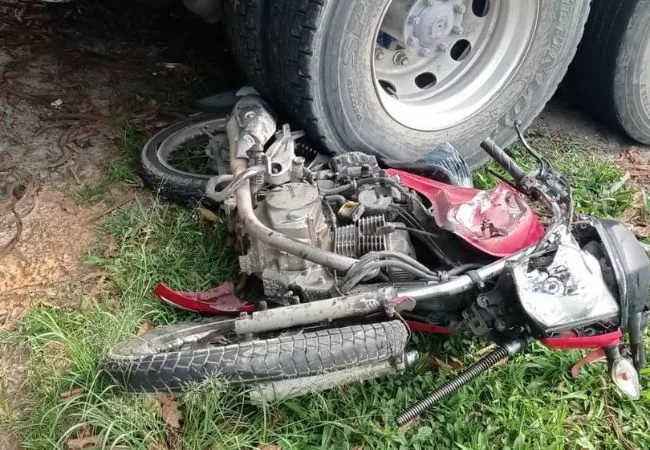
point(123, 171)
point(599, 186)
point(531, 403)
point(130, 141)
point(91, 195)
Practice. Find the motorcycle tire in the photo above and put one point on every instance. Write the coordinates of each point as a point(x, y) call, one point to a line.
point(153, 362)
point(611, 72)
point(320, 58)
point(167, 182)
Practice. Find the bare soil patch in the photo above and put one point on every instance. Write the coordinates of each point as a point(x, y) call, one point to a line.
point(73, 77)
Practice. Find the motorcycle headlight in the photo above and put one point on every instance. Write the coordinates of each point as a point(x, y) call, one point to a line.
point(565, 290)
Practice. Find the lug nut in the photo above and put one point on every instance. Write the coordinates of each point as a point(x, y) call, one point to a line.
point(425, 52)
point(443, 48)
point(460, 9)
point(458, 29)
point(414, 20)
point(430, 2)
point(412, 41)
point(401, 59)
point(379, 55)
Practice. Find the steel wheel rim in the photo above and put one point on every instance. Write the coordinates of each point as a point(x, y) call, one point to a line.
point(463, 76)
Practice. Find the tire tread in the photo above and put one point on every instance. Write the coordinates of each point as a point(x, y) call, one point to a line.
point(267, 360)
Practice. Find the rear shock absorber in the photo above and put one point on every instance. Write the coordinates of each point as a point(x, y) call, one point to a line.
point(479, 367)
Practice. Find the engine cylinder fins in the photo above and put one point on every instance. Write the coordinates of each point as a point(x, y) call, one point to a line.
point(359, 238)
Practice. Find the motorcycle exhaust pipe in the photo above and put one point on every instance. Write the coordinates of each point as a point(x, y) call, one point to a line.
point(295, 387)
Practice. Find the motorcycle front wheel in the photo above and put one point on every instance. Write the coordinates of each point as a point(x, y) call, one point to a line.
point(174, 357)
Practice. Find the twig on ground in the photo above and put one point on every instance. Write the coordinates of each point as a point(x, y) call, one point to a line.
point(4, 251)
point(63, 146)
point(610, 415)
point(81, 116)
point(126, 198)
point(74, 175)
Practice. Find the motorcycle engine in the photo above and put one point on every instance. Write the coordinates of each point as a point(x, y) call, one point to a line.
point(338, 206)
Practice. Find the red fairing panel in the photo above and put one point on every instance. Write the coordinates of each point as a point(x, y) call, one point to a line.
point(498, 222)
point(220, 300)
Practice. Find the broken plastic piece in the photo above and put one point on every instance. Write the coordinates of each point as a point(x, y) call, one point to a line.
point(592, 357)
point(220, 300)
point(498, 222)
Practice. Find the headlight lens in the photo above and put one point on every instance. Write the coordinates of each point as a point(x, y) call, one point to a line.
point(566, 292)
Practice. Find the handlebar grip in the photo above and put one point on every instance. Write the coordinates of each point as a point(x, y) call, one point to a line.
point(503, 159)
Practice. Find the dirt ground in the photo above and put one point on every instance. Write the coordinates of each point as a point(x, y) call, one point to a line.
point(71, 77)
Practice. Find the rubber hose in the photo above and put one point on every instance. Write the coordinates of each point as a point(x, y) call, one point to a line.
point(459, 270)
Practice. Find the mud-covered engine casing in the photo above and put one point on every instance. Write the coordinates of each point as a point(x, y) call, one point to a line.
point(295, 210)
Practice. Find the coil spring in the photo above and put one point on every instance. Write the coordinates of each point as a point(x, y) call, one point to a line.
point(453, 385)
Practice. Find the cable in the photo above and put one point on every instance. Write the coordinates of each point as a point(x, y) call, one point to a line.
point(459, 270)
point(428, 241)
point(369, 268)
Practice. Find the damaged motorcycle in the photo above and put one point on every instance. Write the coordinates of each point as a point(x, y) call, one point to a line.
point(354, 252)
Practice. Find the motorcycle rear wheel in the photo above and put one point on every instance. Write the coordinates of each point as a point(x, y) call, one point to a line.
point(169, 179)
point(172, 358)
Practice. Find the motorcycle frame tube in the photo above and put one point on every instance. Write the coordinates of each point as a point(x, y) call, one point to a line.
point(309, 313)
point(462, 283)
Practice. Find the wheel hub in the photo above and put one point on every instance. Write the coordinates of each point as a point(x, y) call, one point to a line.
point(438, 62)
point(423, 26)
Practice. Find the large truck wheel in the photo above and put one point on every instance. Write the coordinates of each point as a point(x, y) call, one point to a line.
point(611, 73)
point(396, 77)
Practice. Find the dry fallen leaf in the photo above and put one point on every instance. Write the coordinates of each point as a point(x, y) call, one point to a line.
point(358, 447)
point(70, 207)
point(157, 446)
point(169, 411)
point(502, 362)
point(83, 442)
point(207, 215)
point(146, 325)
point(485, 350)
point(74, 393)
point(242, 282)
point(264, 446)
point(432, 361)
point(408, 426)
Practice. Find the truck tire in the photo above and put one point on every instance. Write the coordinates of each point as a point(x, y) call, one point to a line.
point(611, 73)
point(508, 56)
point(142, 365)
point(244, 24)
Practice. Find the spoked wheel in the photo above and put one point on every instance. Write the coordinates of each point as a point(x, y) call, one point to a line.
point(174, 357)
point(178, 162)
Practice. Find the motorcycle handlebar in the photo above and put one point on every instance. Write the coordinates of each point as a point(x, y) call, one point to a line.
point(503, 159)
